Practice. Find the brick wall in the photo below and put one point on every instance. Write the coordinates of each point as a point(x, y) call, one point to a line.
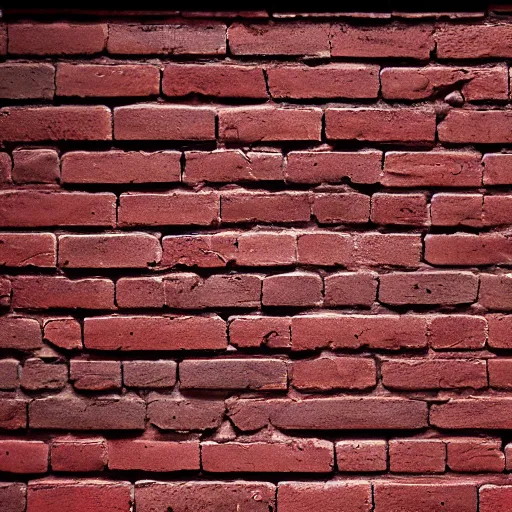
point(255, 262)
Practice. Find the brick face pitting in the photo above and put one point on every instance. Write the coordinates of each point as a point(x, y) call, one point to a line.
point(255, 261)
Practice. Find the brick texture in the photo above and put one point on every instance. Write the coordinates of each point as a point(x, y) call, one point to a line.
point(255, 260)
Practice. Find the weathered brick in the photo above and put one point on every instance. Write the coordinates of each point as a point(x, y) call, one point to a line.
point(78, 455)
point(149, 374)
point(35, 166)
point(5, 293)
point(9, 369)
point(457, 332)
point(494, 498)
point(292, 289)
point(417, 456)
point(499, 373)
point(140, 292)
point(13, 414)
point(344, 208)
point(22, 456)
point(499, 328)
point(325, 249)
point(20, 333)
point(259, 331)
point(399, 209)
point(260, 249)
point(13, 497)
point(28, 249)
point(497, 169)
point(495, 291)
point(37, 374)
point(361, 456)
point(27, 81)
point(457, 210)
point(475, 455)
point(95, 375)
point(476, 126)
point(64, 333)
point(496, 210)
point(350, 289)
point(382, 249)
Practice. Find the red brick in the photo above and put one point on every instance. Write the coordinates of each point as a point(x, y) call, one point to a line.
point(457, 210)
point(457, 332)
point(417, 456)
point(400, 209)
point(297, 456)
point(361, 456)
point(380, 124)
point(459, 249)
point(381, 332)
point(78, 455)
point(9, 374)
point(495, 498)
point(149, 374)
point(119, 167)
point(403, 41)
point(442, 288)
point(341, 208)
point(496, 291)
point(499, 331)
point(5, 292)
point(476, 126)
point(140, 292)
point(164, 122)
point(148, 455)
point(205, 496)
point(493, 413)
point(69, 412)
point(96, 80)
point(508, 454)
point(432, 169)
point(361, 413)
point(185, 414)
point(475, 84)
point(499, 373)
point(497, 169)
point(28, 249)
point(267, 207)
point(327, 373)
point(190, 291)
point(5, 168)
point(333, 167)
point(218, 80)
point(411, 374)
point(382, 249)
point(36, 166)
point(13, 496)
point(20, 333)
point(44, 292)
point(56, 38)
point(226, 166)
point(331, 81)
point(311, 39)
point(155, 333)
point(64, 333)
point(292, 289)
point(179, 39)
point(475, 455)
point(127, 250)
point(33, 208)
point(326, 496)
point(427, 496)
point(474, 41)
point(28, 124)
point(324, 248)
point(20, 456)
point(95, 375)
point(78, 495)
point(174, 209)
point(40, 375)
point(496, 210)
point(269, 124)
point(350, 289)
point(13, 414)
point(260, 249)
point(26, 81)
point(262, 374)
point(259, 331)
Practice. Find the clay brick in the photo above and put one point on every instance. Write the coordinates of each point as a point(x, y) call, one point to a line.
point(164, 122)
point(499, 373)
point(457, 210)
point(497, 210)
point(96, 80)
point(155, 333)
point(20, 333)
point(140, 292)
point(428, 288)
point(393, 249)
point(13, 497)
point(26, 81)
point(292, 289)
point(35, 166)
point(361, 456)
point(226, 166)
point(78, 455)
point(64, 333)
point(95, 375)
point(495, 292)
point(257, 374)
point(327, 373)
point(28, 249)
point(432, 169)
point(21, 456)
point(499, 329)
point(13, 414)
point(180, 39)
point(349, 208)
point(417, 456)
point(260, 249)
point(67, 123)
point(476, 126)
point(149, 374)
point(399, 209)
point(328, 496)
point(333, 167)
point(148, 455)
point(495, 498)
point(380, 124)
point(217, 80)
point(325, 249)
point(297, 456)
point(475, 455)
point(174, 209)
point(5, 168)
point(9, 369)
point(5, 293)
point(269, 124)
point(311, 39)
point(457, 332)
point(259, 331)
point(119, 167)
point(56, 38)
point(497, 169)
point(36, 374)
point(399, 40)
point(330, 81)
point(130, 250)
point(350, 289)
